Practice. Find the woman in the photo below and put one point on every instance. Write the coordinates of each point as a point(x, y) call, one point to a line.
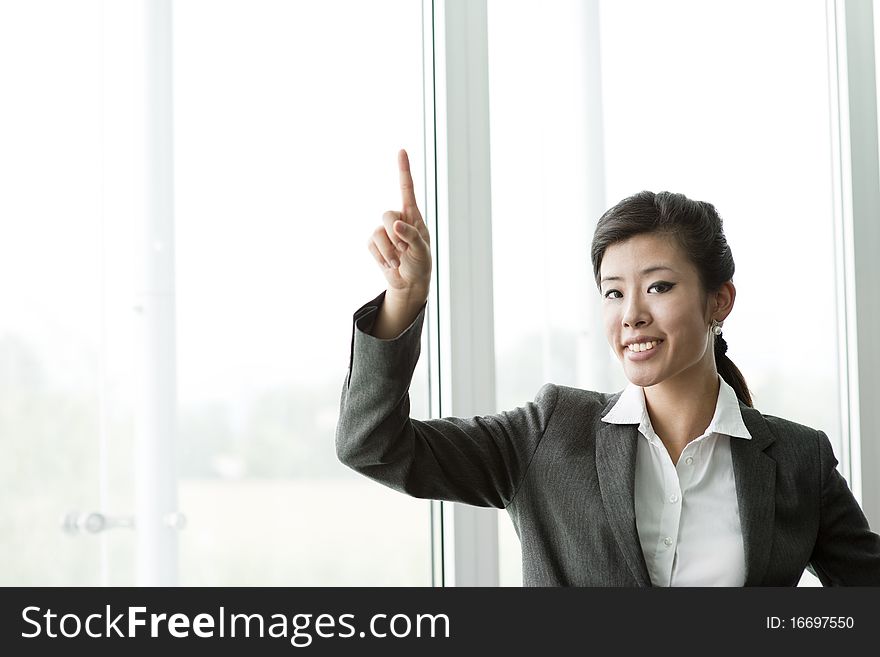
point(674, 481)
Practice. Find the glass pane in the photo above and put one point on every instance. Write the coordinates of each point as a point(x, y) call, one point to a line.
point(288, 118)
point(65, 429)
point(687, 108)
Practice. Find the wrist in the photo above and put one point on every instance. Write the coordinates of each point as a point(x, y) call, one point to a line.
point(406, 299)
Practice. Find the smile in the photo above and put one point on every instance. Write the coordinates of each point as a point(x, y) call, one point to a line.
point(643, 346)
point(644, 351)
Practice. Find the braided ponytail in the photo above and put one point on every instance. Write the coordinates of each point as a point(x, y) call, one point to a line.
point(730, 372)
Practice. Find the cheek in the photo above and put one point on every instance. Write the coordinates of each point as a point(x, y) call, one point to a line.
point(687, 334)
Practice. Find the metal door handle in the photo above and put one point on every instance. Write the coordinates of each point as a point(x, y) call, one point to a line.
point(75, 522)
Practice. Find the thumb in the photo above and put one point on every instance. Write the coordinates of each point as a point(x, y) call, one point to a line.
point(409, 235)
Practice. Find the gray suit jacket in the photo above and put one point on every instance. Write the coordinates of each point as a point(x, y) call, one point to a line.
point(567, 479)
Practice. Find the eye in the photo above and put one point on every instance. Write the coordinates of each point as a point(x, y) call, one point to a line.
point(666, 287)
point(662, 288)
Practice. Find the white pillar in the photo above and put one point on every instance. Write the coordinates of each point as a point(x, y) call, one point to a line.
point(155, 412)
point(465, 259)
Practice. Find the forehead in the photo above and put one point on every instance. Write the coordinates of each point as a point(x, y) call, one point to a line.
point(628, 258)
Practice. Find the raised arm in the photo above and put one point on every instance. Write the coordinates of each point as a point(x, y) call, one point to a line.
point(480, 460)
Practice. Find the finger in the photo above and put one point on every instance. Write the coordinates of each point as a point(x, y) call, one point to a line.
point(415, 220)
point(378, 256)
point(406, 183)
point(388, 220)
point(386, 248)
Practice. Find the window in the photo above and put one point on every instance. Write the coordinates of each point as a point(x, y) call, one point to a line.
point(284, 113)
point(283, 117)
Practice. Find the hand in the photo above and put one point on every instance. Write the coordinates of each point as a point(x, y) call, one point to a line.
point(402, 244)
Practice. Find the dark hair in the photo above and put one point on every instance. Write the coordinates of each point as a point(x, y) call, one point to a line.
point(698, 230)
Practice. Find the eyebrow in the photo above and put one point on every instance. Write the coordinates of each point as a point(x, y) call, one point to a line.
point(644, 271)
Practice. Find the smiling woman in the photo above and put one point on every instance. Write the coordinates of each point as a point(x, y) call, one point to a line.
point(688, 397)
point(593, 482)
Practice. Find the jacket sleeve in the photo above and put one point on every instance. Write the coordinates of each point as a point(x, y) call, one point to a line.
point(847, 552)
point(479, 461)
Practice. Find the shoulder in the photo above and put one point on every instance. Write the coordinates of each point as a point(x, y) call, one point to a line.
point(792, 434)
point(574, 401)
point(587, 397)
point(794, 439)
point(788, 429)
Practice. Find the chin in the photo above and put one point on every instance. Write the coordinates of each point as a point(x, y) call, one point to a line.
point(642, 378)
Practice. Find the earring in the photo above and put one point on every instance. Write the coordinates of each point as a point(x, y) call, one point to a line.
point(716, 327)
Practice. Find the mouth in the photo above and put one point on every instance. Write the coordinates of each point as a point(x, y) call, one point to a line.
point(645, 352)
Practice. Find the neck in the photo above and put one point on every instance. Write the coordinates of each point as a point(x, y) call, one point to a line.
point(682, 407)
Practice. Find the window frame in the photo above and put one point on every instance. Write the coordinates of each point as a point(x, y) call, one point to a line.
point(856, 184)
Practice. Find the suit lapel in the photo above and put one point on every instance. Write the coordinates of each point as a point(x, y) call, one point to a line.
point(755, 475)
point(616, 446)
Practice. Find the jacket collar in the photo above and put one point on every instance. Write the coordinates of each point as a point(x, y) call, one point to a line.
point(754, 474)
point(630, 408)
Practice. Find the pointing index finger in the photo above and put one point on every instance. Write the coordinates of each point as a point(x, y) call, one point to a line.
point(406, 182)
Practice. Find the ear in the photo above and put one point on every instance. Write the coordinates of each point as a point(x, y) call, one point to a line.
point(723, 300)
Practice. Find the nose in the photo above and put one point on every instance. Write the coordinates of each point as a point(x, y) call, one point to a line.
point(635, 315)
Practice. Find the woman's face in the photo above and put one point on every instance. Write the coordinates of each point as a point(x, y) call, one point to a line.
point(668, 304)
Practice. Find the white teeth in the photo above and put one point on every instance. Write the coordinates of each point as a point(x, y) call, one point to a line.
point(644, 346)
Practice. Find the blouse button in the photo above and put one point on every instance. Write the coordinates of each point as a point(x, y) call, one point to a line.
point(689, 460)
point(667, 541)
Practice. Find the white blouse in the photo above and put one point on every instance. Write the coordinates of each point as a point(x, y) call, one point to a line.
point(687, 514)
